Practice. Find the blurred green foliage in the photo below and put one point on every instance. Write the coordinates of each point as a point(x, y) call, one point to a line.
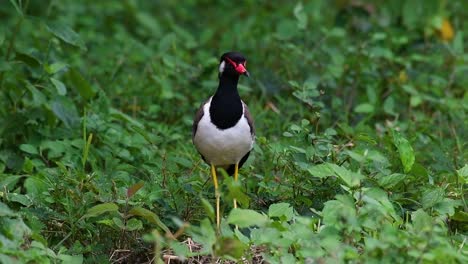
point(360, 108)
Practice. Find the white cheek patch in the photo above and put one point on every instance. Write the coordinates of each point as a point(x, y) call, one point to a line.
point(221, 66)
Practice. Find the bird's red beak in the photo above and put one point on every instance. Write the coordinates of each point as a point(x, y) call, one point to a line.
point(240, 68)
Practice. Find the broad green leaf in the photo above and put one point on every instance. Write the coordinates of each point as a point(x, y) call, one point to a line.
point(340, 212)
point(447, 206)
point(28, 148)
point(118, 222)
point(209, 210)
point(364, 108)
point(181, 249)
point(405, 150)
point(235, 192)
point(460, 216)
point(281, 209)
point(38, 97)
point(431, 197)
point(71, 259)
point(391, 180)
point(205, 235)
point(66, 33)
point(55, 67)
point(321, 171)
point(150, 216)
point(351, 179)
point(241, 236)
point(65, 110)
point(35, 186)
point(5, 211)
point(246, 218)
point(421, 220)
point(463, 173)
point(25, 200)
point(134, 224)
point(81, 85)
point(29, 59)
point(9, 182)
point(101, 209)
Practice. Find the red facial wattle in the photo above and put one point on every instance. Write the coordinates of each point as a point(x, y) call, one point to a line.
point(240, 68)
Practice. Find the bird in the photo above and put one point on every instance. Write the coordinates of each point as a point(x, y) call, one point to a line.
point(223, 130)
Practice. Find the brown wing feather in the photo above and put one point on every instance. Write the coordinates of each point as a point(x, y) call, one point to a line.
point(197, 118)
point(249, 119)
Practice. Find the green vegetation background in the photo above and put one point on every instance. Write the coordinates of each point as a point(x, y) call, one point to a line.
point(360, 108)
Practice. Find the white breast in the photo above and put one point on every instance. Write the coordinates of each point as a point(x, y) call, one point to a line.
point(222, 146)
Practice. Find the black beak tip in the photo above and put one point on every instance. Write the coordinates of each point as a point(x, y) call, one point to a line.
point(246, 73)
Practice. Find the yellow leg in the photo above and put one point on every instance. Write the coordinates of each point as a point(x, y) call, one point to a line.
point(236, 176)
point(215, 181)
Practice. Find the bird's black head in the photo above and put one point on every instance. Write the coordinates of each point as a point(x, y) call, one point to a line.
point(233, 64)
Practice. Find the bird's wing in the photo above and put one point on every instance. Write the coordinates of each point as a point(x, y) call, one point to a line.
point(198, 117)
point(249, 119)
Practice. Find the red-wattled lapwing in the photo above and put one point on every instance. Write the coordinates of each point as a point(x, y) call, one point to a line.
point(223, 130)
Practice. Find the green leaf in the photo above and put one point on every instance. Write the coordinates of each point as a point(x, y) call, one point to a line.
point(351, 179)
point(4, 65)
point(321, 171)
point(149, 216)
point(21, 198)
point(246, 218)
point(71, 259)
point(421, 220)
point(235, 192)
point(35, 186)
point(364, 108)
point(339, 213)
point(204, 234)
point(281, 209)
point(101, 209)
point(134, 224)
point(80, 84)
point(118, 222)
point(66, 34)
point(392, 180)
point(300, 15)
point(5, 211)
point(406, 151)
point(30, 60)
point(28, 148)
point(209, 210)
point(431, 197)
point(463, 173)
point(149, 22)
point(17, 8)
point(460, 216)
point(55, 67)
point(65, 110)
point(38, 98)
